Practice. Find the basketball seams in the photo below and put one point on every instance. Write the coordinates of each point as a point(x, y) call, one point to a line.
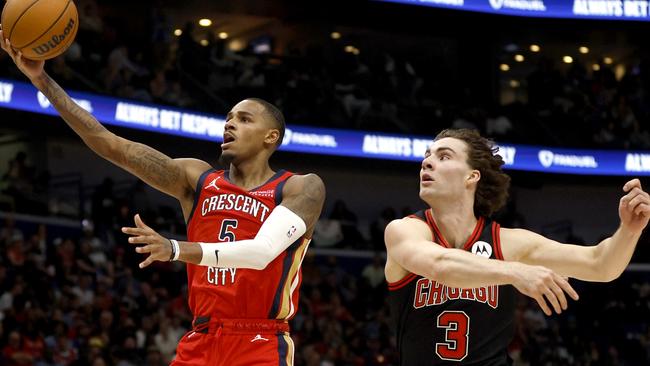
point(48, 29)
point(13, 26)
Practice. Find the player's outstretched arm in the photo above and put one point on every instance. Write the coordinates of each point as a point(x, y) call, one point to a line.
point(411, 250)
point(599, 263)
point(303, 197)
point(174, 177)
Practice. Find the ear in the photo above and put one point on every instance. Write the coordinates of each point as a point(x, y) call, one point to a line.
point(272, 137)
point(473, 177)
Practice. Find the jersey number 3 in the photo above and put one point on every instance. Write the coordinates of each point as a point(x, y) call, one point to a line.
point(225, 233)
point(456, 325)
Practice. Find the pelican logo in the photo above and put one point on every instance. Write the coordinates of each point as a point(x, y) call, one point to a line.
point(291, 231)
point(546, 158)
point(482, 248)
point(55, 41)
point(496, 4)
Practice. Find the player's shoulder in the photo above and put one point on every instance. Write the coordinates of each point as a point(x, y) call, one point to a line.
point(194, 164)
point(193, 168)
point(309, 183)
point(514, 235)
point(408, 227)
point(307, 178)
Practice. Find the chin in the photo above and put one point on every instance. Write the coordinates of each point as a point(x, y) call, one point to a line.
point(226, 158)
point(428, 193)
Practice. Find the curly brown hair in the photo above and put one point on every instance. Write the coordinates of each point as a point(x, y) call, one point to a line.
point(492, 189)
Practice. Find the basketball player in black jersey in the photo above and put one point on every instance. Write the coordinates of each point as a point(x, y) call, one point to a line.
point(453, 272)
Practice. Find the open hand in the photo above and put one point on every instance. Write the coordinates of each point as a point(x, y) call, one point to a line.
point(544, 285)
point(158, 247)
point(634, 207)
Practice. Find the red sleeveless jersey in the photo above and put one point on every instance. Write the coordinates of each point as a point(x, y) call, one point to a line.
point(224, 212)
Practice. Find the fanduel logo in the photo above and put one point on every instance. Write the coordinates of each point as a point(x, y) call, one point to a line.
point(637, 163)
point(308, 139)
point(56, 40)
point(6, 91)
point(548, 158)
point(530, 5)
point(45, 103)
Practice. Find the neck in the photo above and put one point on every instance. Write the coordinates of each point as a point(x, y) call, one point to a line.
point(455, 219)
point(251, 173)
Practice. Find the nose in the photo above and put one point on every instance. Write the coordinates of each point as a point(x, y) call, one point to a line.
point(230, 124)
point(427, 164)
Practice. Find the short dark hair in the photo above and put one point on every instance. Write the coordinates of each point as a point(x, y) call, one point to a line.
point(276, 116)
point(492, 189)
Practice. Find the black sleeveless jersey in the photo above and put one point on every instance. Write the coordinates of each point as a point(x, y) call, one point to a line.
point(439, 325)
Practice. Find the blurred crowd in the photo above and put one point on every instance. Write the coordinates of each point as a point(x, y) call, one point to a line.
point(72, 295)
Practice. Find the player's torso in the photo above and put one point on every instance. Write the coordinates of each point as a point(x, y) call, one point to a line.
point(224, 212)
point(439, 325)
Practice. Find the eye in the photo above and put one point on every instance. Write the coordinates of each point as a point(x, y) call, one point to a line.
point(245, 119)
point(444, 157)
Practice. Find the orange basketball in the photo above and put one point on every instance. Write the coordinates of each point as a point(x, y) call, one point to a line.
point(41, 29)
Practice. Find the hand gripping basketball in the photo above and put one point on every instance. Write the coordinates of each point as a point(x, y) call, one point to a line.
point(40, 29)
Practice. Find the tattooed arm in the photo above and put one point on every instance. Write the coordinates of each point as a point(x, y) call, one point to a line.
point(175, 177)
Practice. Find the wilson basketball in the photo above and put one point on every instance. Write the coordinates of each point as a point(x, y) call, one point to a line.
point(41, 29)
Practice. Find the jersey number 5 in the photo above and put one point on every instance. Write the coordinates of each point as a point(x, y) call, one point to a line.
point(226, 234)
point(456, 325)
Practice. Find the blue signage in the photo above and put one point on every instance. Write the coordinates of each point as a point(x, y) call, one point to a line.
point(178, 122)
point(576, 9)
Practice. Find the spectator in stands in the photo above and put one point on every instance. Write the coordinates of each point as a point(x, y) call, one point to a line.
point(348, 221)
point(374, 272)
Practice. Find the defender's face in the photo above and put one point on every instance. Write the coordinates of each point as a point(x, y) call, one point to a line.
point(444, 170)
point(245, 130)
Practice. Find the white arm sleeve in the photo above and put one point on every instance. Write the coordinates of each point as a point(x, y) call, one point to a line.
point(278, 232)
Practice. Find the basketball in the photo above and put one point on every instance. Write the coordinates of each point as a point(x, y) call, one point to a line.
point(41, 29)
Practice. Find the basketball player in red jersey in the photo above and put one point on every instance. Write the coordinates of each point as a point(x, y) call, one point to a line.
point(248, 227)
point(453, 272)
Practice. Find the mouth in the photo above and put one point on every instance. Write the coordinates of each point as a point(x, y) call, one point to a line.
point(227, 138)
point(426, 178)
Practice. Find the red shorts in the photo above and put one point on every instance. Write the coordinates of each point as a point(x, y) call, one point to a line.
point(235, 342)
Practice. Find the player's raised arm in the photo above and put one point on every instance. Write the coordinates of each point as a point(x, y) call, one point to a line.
point(174, 177)
point(599, 263)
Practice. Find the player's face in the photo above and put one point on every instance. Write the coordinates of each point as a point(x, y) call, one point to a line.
point(444, 172)
point(245, 132)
